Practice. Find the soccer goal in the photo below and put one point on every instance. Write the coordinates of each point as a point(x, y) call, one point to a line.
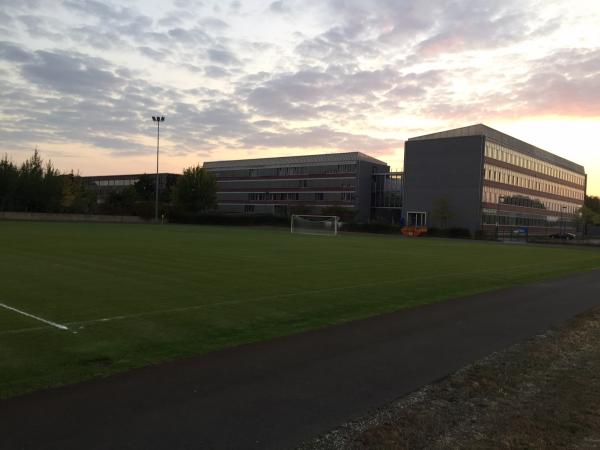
point(307, 224)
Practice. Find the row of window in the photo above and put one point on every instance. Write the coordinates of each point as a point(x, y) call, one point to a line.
point(295, 196)
point(286, 171)
point(501, 153)
point(273, 196)
point(116, 182)
point(532, 220)
point(267, 185)
point(386, 200)
point(513, 178)
point(503, 196)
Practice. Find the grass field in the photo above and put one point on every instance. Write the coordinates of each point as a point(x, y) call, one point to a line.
point(133, 295)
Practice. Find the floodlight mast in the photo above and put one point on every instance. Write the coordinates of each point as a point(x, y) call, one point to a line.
point(158, 120)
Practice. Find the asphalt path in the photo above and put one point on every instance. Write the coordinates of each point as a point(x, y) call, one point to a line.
point(279, 393)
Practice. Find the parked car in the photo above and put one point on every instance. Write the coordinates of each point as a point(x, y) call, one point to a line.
point(568, 236)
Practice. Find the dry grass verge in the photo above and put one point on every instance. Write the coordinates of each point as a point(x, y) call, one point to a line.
point(543, 393)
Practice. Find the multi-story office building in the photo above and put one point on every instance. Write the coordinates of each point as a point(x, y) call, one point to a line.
point(284, 185)
point(481, 179)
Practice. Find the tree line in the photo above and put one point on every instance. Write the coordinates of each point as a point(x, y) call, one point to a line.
point(590, 213)
point(37, 186)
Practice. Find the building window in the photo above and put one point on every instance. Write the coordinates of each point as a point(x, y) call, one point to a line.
point(248, 208)
point(319, 196)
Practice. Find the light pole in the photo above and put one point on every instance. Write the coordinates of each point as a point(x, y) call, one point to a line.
point(500, 197)
point(563, 228)
point(158, 120)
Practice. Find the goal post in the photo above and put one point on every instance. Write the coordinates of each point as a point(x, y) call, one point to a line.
point(313, 224)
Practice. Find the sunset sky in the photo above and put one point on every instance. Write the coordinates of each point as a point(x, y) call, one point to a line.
point(80, 79)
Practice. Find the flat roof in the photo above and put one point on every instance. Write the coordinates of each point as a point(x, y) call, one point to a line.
point(282, 161)
point(506, 140)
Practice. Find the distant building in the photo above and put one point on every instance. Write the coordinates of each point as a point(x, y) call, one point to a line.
point(488, 180)
point(105, 184)
point(302, 184)
point(473, 177)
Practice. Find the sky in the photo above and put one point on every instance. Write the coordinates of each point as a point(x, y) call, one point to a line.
point(81, 79)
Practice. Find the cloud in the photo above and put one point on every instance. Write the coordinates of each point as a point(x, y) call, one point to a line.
point(70, 73)
point(279, 7)
point(103, 12)
point(215, 72)
point(12, 52)
point(213, 23)
point(40, 27)
point(317, 73)
point(566, 82)
point(222, 56)
point(322, 137)
point(338, 91)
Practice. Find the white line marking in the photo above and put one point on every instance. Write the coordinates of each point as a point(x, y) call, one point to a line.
point(24, 330)
point(306, 292)
point(49, 322)
point(269, 297)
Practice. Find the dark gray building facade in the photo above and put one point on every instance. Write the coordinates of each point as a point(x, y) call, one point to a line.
point(285, 185)
point(484, 180)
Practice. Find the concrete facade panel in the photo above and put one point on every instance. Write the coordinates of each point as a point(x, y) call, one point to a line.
point(448, 168)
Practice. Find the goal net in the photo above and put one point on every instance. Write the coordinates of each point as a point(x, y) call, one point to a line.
point(304, 224)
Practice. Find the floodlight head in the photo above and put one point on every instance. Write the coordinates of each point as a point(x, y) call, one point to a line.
point(153, 119)
point(162, 118)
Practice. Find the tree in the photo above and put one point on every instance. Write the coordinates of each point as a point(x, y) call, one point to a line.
point(76, 196)
point(52, 189)
point(145, 187)
point(195, 191)
point(121, 201)
point(30, 185)
point(9, 177)
point(593, 203)
point(441, 211)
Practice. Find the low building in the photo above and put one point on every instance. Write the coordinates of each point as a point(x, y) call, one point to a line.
point(105, 184)
point(298, 184)
point(484, 180)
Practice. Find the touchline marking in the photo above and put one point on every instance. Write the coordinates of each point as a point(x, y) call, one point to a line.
point(268, 297)
point(293, 294)
point(49, 322)
point(24, 330)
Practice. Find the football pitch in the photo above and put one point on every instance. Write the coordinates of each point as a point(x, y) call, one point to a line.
point(84, 300)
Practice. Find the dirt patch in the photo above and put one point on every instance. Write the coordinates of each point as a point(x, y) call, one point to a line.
point(543, 393)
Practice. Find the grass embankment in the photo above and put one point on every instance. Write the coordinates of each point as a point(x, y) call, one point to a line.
point(133, 295)
point(544, 393)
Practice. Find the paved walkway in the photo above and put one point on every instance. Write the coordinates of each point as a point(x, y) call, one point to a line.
point(276, 394)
